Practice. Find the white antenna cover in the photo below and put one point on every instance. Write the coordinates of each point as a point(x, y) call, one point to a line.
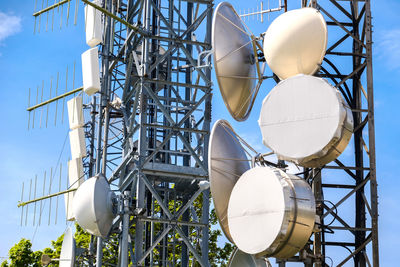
point(93, 25)
point(271, 213)
point(241, 259)
point(75, 172)
point(227, 161)
point(93, 206)
point(67, 255)
point(77, 143)
point(75, 113)
point(295, 42)
point(234, 61)
point(68, 201)
point(90, 71)
point(305, 120)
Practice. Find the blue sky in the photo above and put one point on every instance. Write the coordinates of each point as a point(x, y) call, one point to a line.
point(27, 59)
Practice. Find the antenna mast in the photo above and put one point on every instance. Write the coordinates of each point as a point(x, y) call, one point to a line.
point(153, 120)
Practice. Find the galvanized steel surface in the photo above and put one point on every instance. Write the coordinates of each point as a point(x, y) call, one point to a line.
point(234, 61)
point(226, 163)
point(241, 259)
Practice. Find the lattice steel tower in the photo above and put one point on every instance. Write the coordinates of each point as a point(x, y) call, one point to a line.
point(150, 126)
point(153, 143)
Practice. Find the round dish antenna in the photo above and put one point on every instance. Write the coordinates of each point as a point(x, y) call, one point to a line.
point(227, 161)
point(271, 213)
point(235, 61)
point(93, 208)
point(241, 259)
point(67, 255)
point(305, 120)
point(295, 42)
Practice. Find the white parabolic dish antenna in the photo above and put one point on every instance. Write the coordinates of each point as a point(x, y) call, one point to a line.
point(271, 213)
point(93, 206)
point(226, 163)
point(305, 120)
point(234, 61)
point(67, 255)
point(295, 42)
point(241, 259)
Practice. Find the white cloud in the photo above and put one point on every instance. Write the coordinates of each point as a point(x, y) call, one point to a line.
point(9, 25)
point(387, 48)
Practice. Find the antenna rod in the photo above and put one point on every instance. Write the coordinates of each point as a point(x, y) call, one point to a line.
point(55, 99)
point(50, 7)
point(105, 11)
point(21, 204)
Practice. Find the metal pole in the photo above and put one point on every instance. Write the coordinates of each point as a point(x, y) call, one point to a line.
point(371, 135)
point(125, 229)
point(142, 140)
point(319, 198)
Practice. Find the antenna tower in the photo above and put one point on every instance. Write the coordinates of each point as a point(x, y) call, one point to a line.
point(149, 131)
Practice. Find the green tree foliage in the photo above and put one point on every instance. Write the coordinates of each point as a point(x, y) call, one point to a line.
point(21, 254)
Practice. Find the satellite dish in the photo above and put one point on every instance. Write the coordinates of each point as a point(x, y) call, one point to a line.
point(241, 259)
point(227, 161)
point(234, 61)
point(295, 42)
point(93, 208)
point(305, 120)
point(67, 255)
point(271, 213)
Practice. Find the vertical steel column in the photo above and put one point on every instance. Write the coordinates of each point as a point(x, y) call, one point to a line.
point(319, 199)
point(103, 112)
point(125, 230)
point(371, 136)
point(142, 138)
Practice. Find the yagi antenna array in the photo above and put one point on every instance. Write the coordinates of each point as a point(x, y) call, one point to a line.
point(260, 11)
point(39, 108)
point(47, 11)
point(261, 209)
point(45, 189)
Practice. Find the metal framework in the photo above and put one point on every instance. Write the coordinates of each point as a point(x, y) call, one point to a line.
point(346, 192)
point(151, 124)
